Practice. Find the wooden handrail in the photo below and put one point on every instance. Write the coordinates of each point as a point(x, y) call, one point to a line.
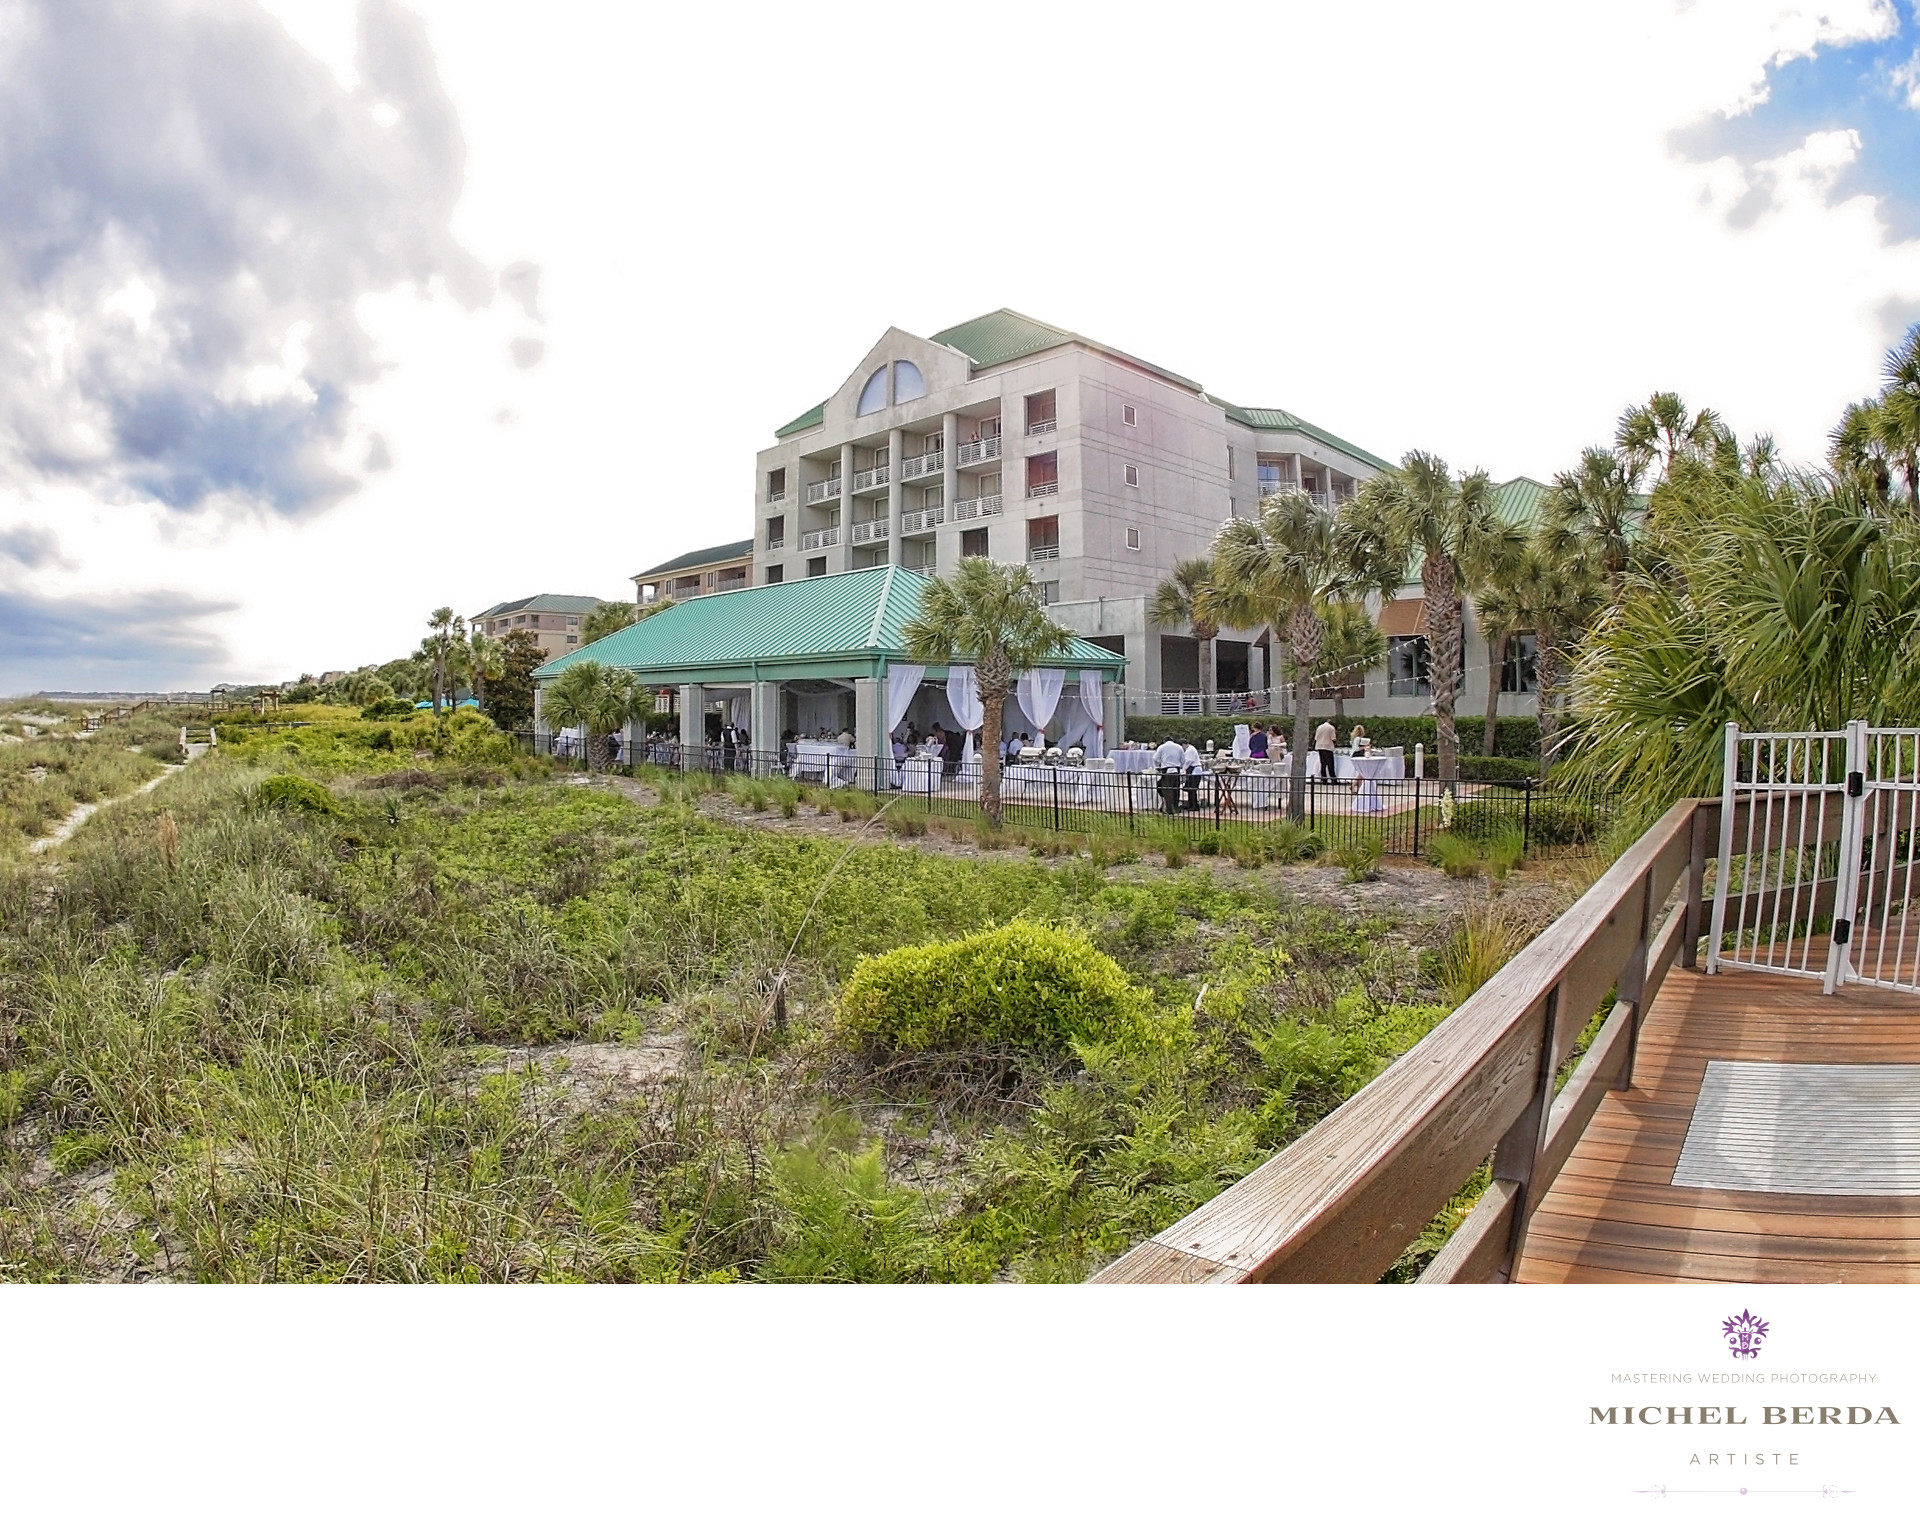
point(1344, 1200)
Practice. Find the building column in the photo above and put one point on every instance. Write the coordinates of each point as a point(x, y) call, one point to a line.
point(949, 479)
point(1256, 668)
point(763, 726)
point(896, 496)
point(539, 717)
point(844, 558)
point(1116, 714)
point(869, 712)
point(693, 727)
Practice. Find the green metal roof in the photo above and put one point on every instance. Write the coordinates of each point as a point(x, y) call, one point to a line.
point(1267, 419)
point(1003, 335)
point(542, 603)
point(1519, 501)
point(826, 625)
point(802, 422)
point(718, 554)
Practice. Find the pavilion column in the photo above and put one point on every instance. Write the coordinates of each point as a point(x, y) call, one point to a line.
point(895, 493)
point(1114, 699)
point(763, 726)
point(869, 713)
point(693, 727)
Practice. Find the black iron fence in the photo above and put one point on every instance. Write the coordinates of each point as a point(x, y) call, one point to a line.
point(1398, 816)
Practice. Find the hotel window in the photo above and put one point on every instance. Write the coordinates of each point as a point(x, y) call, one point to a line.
point(1229, 461)
point(1043, 539)
point(573, 638)
point(873, 395)
point(776, 573)
point(1040, 413)
point(1049, 591)
point(1409, 667)
point(1133, 539)
point(1043, 475)
point(908, 383)
point(973, 543)
point(776, 532)
point(1129, 416)
point(932, 498)
point(776, 485)
point(1519, 670)
point(1132, 474)
point(816, 567)
point(573, 622)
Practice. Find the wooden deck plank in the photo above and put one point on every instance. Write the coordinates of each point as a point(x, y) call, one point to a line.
point(1613, 1214)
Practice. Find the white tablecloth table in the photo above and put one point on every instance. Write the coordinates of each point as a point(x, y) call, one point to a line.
point(1368, 768)
point(833, 763)
point(1132, 761)
point(920, 774)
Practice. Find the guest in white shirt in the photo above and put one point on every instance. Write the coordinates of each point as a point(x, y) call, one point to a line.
point(1324, 740)
point(1190, 761)
point(1169, 759)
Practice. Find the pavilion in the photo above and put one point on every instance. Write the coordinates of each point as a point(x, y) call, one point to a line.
point(829, 653)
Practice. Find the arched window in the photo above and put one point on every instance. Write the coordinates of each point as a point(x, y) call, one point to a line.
point(874, 397)
point(907, 383)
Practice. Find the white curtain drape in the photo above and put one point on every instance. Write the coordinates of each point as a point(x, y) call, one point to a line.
point(741, 709)
point(1039, 692)
point(902, 682)
point(1242, 741)
point(963, 695)
point(1093, 700)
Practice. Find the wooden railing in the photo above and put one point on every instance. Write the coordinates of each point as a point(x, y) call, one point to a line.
point(1341, 1203)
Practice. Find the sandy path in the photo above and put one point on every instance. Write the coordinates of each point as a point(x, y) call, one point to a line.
point(71, 823)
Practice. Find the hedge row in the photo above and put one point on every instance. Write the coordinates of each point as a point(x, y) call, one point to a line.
point(1515, 738)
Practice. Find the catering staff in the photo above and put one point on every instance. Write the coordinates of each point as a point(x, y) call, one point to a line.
point(1169, 759)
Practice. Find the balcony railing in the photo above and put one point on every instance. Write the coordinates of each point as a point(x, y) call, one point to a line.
point(870, 479)
point(870, 532)
point(923, 522)
point(777, 543)
point(819, 538)
point(979, 506)
point(1043, 552)
point(925, 464)
point(1045, 424)
point(775, 497)
point(978, 451)
point(1044, 488)
point(824, 490)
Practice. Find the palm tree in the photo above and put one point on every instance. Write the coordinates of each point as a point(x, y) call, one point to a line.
point(444, 630)
point(1351, 644)
point(1282, 568)
point(1597, 512)
point(483, 661)
point(611, 617)
point(987, 615)
point(595, 698)
point(1557, 591)
point(1420, 509)
point(1186, 596)
point(1662, 429)
point(1858, 447)
point(1501, 619)
point(1795, 601)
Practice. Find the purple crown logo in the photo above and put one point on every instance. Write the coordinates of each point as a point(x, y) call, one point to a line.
point(1744, 1335)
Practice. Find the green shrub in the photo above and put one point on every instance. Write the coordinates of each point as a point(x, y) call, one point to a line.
point(295, 793)
point(1025, 984)
point(390, 706)
point(1549, 820)
point(1458, 857)
point(1498, 767)
point(1361, 860)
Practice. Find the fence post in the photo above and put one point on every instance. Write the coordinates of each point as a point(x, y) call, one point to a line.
point(1418, 767)
point(1526, 821)
point(1126, 784)
point(1055, 772)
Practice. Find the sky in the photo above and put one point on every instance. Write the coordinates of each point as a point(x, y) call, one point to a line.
point(325, 314)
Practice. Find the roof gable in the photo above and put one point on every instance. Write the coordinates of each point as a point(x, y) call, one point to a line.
point(694, 558)
point(1001, 336)
point(1271, 419)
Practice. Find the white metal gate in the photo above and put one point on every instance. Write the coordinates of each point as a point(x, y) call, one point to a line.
point(1819, 846)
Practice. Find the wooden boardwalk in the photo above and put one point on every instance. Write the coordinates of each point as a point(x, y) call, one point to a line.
point(1613, 1215)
